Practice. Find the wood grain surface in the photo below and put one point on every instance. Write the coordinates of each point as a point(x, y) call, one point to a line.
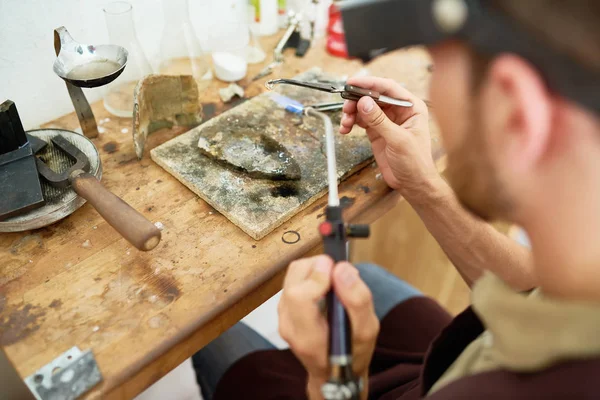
point(79, 283)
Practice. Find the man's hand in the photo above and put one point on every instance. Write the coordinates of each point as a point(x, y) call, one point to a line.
point(304, 327)
point(399, 135)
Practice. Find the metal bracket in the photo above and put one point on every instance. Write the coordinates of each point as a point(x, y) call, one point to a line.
point(84, 112)
point(66, 377)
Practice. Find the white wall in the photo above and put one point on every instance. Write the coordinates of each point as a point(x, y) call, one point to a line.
point(27, 49)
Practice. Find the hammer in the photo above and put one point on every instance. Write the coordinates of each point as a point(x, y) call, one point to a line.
point(132, 225)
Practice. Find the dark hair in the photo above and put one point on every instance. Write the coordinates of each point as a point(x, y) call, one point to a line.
point(571, 27)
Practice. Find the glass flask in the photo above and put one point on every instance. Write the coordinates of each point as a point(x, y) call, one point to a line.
point(230, 44)
point(118, 99)
point(180, 50)
point(255, 52)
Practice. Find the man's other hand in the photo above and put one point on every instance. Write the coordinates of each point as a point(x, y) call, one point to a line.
point(303, 325)
point(399, 135)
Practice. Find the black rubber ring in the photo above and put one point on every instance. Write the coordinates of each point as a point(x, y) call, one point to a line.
point(289, 241)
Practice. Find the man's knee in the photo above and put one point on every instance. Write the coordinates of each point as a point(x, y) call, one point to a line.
point(374, 275)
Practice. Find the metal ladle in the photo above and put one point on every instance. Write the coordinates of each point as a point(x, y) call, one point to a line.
point(85, 65)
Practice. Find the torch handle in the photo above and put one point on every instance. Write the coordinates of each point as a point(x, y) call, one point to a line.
point(334, 243)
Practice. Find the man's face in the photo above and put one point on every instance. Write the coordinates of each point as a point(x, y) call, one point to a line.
point(470, 169)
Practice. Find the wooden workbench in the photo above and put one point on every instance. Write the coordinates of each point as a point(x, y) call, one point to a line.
point(144, 313)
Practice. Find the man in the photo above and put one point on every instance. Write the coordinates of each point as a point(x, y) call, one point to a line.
point(517, 150)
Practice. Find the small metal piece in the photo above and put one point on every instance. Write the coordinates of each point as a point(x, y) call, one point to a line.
point(66, 377)
point(61, 180)
point(342, 391)
point(341, 360)
point(36, 143)
point(324, 87)
point(294, 21)
point(293, 237)
point(358, 230)
point(394, 102)
point(84, 112)
point(338, 105)
point(268, 70)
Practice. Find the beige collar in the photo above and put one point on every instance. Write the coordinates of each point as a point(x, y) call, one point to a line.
point(529, 332)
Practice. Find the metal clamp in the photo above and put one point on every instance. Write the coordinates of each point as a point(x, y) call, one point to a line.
point(294, 21)
point(66, 377)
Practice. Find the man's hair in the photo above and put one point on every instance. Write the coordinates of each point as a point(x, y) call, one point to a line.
point(571, 27)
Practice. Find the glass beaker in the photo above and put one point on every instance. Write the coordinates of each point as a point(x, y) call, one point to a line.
point(255, 52)
point(230, 50)
point(118, 99)
point(180, 50)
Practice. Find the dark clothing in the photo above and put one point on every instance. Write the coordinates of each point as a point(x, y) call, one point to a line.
point(405, 335)
point(212, 361)
point(418, 341)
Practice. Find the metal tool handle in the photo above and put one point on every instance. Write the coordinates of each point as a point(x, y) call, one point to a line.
point(340, 333)
point(84, 112)
point(352, 92)
point(342, 384)
point(358, 91)
point(293, 25)
point(132, 225)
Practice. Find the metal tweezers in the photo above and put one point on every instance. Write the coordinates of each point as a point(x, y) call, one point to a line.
point(348, 92)
point(336, 105)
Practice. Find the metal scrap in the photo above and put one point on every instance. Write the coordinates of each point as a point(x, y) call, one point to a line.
point(230, 91)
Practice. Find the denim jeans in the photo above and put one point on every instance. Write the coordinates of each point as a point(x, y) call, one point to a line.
point(214, 359)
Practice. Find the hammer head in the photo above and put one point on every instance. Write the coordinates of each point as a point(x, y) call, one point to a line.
point(62, 179)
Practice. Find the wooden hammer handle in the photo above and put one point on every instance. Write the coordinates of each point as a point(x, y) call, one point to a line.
point(132, 225)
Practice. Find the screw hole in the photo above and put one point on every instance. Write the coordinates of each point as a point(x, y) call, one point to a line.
point(69, 357)
point(38, 378)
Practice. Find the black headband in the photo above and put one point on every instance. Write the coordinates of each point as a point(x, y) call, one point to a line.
point(373, 27)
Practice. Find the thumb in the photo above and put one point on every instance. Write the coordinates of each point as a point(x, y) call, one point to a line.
point(318, 282)
point(375, 119)
point(354, 295)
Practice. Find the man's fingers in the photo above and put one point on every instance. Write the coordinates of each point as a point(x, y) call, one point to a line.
point(300, 270)
point(359, 121)
point(349, 107)
point(305, 288)
point(347, 123)
point(373, 118)
point(385, 86)
point(357, 300)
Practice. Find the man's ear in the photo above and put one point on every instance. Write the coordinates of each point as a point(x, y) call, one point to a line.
point(520, 107)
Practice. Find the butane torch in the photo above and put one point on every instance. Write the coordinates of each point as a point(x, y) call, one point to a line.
point(342, 384)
